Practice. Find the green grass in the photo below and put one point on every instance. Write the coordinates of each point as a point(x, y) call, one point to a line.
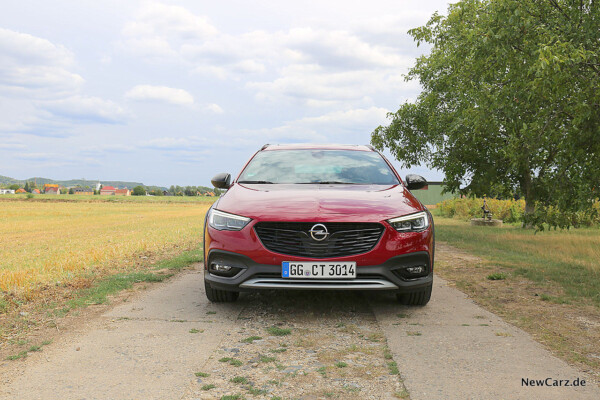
point(387, 354)
point(567, 258)
point(194, 330)
point(112, 284)
point(276, 331)
point(267, 359)
point(32, 349)
point(393, 368)
point(497, 276)
point(208, 387)
point(251, 339)
point(256, 392)
point(239, 379)
point(341, 364)
point(232, 397)
point(232, 361)
point(181, 261)
point(281, 350)
point(3, 305)
point(202, 374)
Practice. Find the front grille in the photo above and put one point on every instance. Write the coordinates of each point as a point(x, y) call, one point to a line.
point(294, 239)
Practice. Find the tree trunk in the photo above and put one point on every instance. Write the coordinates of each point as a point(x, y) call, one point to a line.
point(526, 187)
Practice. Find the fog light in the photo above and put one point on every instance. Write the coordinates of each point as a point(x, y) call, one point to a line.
point(416, 270)
point(220, 267)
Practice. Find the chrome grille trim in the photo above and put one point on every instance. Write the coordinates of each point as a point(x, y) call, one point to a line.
point(329, 284)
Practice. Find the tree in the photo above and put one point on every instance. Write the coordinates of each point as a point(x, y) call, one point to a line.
point(510, 100)
point(71, 191)
point(139, 191)
point(14, 186)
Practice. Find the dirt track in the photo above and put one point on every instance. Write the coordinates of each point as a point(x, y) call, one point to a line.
point(337, 347)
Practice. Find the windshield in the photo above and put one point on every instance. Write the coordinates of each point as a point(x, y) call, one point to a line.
point(318, 166)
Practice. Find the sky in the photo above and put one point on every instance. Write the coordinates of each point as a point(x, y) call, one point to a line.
point(174, 92)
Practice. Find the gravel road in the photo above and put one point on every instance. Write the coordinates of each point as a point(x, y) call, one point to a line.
point(170, 343)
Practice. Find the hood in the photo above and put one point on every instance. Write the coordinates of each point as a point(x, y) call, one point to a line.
point(352, 203)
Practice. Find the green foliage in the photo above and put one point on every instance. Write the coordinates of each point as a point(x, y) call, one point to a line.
point(14, 186)
point(497, 276)
point(139, 191)
point(251, 339)
point(467, 208)
point(276, 331)
point(513, 211)
point(510, 102)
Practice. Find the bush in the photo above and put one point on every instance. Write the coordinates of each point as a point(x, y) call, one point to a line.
point(514, 210)
point(467, 208)
point(139, 191)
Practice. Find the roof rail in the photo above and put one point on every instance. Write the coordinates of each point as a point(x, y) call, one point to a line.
point(265, 146)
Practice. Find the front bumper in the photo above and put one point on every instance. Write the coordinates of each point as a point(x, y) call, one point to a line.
point(248, 275)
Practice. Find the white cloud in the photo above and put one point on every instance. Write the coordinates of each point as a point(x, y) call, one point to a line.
point(87, 110)
point(160, 93)
point(357, 118)
point(214, 108)
point(159, 30)
point(32, 66)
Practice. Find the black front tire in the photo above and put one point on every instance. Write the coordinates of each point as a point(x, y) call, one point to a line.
point(220, 296)
point(418, 298)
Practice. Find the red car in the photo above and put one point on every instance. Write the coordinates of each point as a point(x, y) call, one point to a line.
point(328, 217)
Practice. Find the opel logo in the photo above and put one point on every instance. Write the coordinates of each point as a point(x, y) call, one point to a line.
point(319, 232)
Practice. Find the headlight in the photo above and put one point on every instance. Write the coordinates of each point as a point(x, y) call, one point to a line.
point(226, 222)
point(411, 223)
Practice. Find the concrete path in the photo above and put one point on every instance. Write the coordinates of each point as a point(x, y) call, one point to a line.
point(454, 349)
point(149, 348)
point(139, 350)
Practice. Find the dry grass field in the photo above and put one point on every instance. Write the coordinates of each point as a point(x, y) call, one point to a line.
point(47, 240)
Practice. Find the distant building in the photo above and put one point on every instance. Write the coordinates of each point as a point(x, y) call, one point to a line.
point(50, 185)
point(98, 184)
point(123, 192)
point(52, 190)
point(7, 191)
point(83, 191)
point(108, 191)
point(35, 191)
point(21, 190)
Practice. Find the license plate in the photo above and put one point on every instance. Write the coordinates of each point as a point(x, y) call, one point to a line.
point(318, 270)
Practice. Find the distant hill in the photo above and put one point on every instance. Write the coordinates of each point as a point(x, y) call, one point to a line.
point(5, 180)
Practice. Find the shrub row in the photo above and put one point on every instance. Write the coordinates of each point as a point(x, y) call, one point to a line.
point(513, 210)
point(467, 208)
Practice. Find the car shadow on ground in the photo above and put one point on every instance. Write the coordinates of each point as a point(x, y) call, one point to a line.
point(315, 303)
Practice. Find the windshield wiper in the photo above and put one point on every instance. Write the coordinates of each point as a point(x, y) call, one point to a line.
point(256, 182)
point(327, 183)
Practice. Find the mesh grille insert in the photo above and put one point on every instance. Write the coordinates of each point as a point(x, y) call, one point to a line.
point(293, 238)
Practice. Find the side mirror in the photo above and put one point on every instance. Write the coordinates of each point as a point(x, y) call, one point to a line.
point(415, 182)
point(221, 181)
